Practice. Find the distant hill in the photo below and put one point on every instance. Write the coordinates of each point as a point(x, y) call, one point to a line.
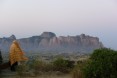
point(49, 42)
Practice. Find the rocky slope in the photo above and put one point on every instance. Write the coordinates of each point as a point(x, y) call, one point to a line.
point(49, 42)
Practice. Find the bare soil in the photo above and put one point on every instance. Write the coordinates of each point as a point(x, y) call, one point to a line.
point(9, 74)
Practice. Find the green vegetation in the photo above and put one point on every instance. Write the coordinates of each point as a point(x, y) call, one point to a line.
point(102, 64)
point(39, 66)
point(77, 71)
point(62, 65)
point(21, 69)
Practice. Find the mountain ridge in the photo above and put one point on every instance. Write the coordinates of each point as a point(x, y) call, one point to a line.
point(49, 42)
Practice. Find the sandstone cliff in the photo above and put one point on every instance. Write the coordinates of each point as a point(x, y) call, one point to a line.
point(49, 42)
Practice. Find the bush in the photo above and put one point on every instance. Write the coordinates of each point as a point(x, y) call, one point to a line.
point(102, 64)
point(61, 65)
point(39, 67)
point(21, 69)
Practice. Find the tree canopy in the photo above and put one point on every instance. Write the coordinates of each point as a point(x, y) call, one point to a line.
point(102, 64)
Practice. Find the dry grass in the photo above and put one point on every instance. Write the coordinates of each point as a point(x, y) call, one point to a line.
point(77, 74)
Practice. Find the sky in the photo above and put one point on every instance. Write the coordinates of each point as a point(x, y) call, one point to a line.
point(26, 18)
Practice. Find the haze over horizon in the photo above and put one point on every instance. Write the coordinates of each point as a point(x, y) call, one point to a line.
point(26, 18)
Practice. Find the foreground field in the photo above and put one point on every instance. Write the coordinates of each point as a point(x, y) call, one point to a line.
point(38, 77)
point(8, 74)
point(101, 64)
point(14, 75)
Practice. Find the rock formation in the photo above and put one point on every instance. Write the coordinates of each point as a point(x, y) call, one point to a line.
point(49, 42)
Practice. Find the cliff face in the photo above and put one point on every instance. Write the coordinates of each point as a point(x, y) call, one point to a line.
point(48, 42)
point(5, 42)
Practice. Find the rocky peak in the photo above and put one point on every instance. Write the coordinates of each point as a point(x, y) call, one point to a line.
point(48, 35)
point(82, 36)
point(12, 37)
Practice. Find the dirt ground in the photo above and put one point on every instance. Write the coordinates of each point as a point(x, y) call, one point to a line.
point(9, 74)
point(44, 76)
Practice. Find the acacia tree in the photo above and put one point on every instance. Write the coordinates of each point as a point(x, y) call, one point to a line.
point(102, 64)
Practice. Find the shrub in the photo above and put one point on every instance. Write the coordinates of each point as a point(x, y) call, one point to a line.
point(21, 69)
point(61, 65)
point(39, 67)
point(102, 64)
point(77, 71)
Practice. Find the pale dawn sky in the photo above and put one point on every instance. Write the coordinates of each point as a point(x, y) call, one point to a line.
point(25, 18)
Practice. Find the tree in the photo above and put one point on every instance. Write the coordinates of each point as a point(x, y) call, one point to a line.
point(102, 64)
